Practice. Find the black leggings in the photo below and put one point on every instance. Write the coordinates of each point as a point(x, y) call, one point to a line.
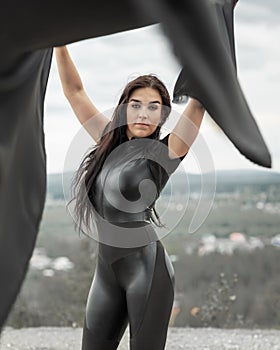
point(130, 285)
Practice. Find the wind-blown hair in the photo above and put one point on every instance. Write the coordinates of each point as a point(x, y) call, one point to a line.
point(113, 135)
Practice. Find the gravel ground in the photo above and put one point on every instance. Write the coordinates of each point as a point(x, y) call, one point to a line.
point(48, 338)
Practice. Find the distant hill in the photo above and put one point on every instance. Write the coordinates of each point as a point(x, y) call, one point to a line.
point(245, 176)
point(226, 181)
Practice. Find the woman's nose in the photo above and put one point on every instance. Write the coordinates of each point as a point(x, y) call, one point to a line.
point(143, 112)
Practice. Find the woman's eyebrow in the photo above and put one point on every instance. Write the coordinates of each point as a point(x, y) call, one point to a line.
point(135, 100)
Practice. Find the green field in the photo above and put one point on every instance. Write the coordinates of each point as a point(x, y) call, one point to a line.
point(237, 290)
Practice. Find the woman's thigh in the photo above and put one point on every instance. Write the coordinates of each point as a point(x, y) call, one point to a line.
point(106, 310)
point(148, 277)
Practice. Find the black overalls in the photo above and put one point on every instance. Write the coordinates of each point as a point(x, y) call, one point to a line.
point(134, 278)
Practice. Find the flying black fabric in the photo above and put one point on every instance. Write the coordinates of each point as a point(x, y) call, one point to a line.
point(202, 35)
point(231, 111)
point(22, 168)
point(203, 39)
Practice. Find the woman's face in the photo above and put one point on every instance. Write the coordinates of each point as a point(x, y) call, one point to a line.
point(143, 112)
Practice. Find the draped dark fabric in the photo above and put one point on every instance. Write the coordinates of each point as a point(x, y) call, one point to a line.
point(203, 39)
point(209, 74)
point(202, 36)
point(22, 168)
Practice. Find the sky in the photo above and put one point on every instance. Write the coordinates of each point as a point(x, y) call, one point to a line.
point(106, 64)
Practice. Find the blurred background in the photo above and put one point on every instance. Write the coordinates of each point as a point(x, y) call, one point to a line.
point(227, 272)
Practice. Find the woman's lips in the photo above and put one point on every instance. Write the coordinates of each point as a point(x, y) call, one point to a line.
point(142, 124)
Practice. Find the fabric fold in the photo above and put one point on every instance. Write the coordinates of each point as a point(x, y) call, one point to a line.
point(201, 33)
point(22, 169)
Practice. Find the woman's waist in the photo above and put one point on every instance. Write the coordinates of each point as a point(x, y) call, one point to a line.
point(125, 218)
point(128, 231)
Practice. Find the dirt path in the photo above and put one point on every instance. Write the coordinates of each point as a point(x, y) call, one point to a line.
point(178, 339)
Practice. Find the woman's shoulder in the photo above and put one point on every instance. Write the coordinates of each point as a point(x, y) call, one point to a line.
point(164, 140)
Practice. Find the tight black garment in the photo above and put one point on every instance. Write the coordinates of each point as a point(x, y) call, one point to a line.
point(134, 278)
point(134, 285)
point(204, 27)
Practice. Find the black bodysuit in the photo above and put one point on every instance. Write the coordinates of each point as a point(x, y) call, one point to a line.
point(134, 278)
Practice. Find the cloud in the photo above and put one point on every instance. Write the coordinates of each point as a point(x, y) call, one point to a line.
point(258, 56)
point(106, 64)
point(267, 11)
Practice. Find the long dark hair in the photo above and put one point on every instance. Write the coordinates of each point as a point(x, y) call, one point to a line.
point(113, 135)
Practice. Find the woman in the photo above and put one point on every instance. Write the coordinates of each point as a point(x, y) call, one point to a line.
point(134, 279)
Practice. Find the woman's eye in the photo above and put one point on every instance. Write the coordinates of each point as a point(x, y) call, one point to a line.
point(153, 107)
point(135, 106)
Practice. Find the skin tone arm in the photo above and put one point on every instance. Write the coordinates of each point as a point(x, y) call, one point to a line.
point(88, 115)
point(180, 139)
point(185, 131)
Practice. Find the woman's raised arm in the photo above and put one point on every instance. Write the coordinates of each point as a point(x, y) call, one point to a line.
point(185, 131)
point(88, 115)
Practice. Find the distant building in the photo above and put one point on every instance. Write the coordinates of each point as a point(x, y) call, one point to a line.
point(40, 261)
point(275, 241)
point(236, 241)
